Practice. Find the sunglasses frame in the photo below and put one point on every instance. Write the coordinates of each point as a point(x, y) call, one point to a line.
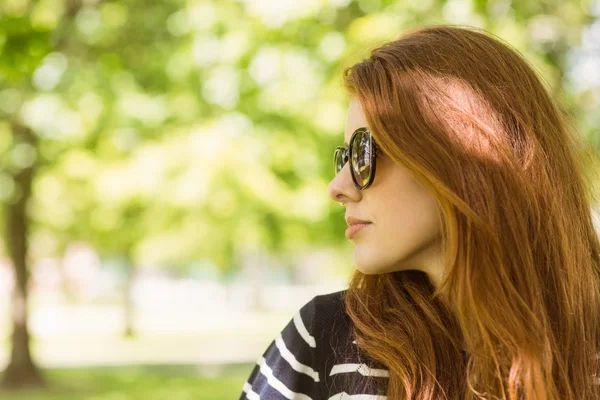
point(347, 155)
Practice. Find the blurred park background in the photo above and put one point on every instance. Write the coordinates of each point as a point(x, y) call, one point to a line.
point(164, 169)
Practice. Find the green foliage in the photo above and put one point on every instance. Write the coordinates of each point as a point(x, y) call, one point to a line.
point(23, 48)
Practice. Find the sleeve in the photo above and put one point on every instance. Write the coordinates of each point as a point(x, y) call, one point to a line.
point(287, 370)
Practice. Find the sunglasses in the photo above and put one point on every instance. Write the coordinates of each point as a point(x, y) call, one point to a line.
point(361, 151)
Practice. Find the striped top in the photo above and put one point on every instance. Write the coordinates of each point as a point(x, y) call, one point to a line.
point(315, 358)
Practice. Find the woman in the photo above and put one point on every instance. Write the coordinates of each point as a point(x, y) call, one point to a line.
point(477, 269)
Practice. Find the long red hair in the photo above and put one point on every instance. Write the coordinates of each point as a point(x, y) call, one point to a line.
point(470, 119)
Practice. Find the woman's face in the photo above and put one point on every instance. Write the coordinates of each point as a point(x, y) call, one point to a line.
point(405, 220)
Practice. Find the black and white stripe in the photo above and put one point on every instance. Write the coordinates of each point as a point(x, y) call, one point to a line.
point(299, 362)
point(286, 369)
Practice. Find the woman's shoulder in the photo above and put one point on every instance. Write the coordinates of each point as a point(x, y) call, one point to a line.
point(344, 366)
point(328, 323)
point(328, 313)
point(329, 303)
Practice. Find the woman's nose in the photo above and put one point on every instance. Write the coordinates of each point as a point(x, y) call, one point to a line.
point(341, 188)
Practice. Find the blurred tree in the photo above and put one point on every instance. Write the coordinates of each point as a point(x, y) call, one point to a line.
point(21, 371)
point(22, 50)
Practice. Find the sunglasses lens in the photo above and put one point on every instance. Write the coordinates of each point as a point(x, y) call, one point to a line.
point(338, 161)
point(361, 157)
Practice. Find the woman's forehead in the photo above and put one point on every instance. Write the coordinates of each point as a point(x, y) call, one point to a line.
point(356, 119)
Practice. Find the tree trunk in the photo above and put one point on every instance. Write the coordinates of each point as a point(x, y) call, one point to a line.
point(21, 371)
point(128, 298)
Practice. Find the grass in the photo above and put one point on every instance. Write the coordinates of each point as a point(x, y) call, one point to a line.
point(181, 382)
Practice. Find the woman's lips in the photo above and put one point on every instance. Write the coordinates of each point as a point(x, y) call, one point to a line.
point(355, 229)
